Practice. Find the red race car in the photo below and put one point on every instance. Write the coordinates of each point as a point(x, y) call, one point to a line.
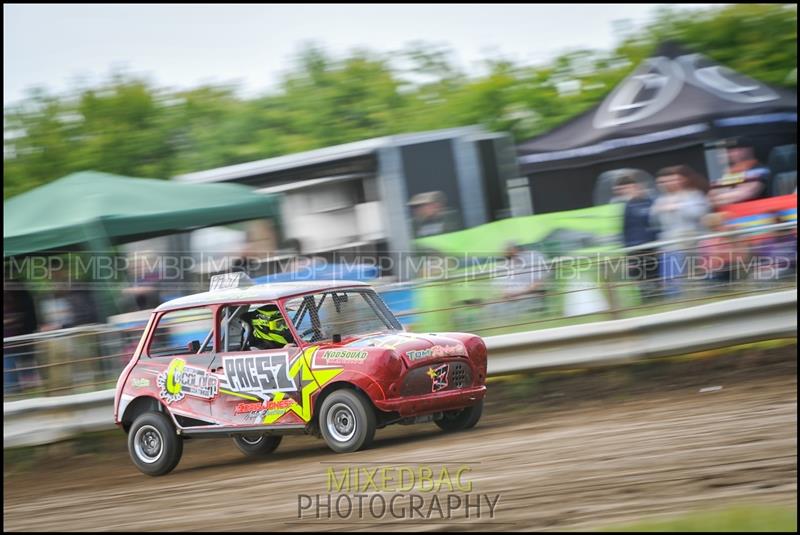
point(256, 362)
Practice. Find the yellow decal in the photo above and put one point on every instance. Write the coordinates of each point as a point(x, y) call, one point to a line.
point(239, 394)
point(309, 380)
point(175, 369)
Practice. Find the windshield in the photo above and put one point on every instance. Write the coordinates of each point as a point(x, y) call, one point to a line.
point(340, 313)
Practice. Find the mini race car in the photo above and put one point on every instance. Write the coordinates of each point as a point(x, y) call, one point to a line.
point(256, 362)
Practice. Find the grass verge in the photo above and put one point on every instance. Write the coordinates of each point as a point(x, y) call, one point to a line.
point(749, 518)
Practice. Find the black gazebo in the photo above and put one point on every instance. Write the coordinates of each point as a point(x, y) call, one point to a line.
point(675, 108)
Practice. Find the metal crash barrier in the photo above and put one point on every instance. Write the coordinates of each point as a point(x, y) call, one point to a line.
point(586, 309)
point(768, 316)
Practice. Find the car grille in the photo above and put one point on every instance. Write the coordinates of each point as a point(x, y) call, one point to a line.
point(459, 375)
point(418, 381)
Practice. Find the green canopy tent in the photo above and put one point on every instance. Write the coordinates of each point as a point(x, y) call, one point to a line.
point(92, 211)
point(87, 207)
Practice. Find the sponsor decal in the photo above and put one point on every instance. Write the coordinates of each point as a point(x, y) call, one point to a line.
point(343, 356)
point(180, 380)
point(419, 355)
point(438, 377)
point(648, 90)
point(258, 374)
point(140, 382)
point(658, 81)
point(242, 408)
point(257, 412)
point(437, 351)
point(253, 417)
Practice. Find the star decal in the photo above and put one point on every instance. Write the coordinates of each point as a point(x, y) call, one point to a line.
point(308, 381)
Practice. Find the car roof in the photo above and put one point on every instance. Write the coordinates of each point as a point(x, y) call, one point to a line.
point(258, 292)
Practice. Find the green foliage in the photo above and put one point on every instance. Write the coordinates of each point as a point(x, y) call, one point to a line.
point(129, 126)
point(755, 39)
point(746, 519)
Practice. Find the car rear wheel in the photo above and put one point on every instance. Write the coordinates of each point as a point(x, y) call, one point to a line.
point(153, 444)
point(461, 419)
point(347, 421)
point(257, 445)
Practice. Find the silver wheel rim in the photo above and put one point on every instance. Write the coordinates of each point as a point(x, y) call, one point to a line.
point(148, 444)
point(341, 422)
point(249, 440)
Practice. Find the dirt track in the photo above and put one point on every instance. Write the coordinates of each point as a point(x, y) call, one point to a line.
point(577, 466)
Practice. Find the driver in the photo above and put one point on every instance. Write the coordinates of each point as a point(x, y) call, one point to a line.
point(269, 329)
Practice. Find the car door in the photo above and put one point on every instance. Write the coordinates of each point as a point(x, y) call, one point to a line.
point(177, 357)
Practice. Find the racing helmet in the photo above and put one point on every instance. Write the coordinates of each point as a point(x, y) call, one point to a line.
point(269, 326)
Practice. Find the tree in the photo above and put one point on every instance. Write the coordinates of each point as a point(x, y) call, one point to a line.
point(129, 126)
point(759, 40)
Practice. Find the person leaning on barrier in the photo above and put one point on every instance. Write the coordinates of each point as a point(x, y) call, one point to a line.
point(637, 229)
point(522, 281)
point(721, 256)
point(678, 212)
point(19, 318)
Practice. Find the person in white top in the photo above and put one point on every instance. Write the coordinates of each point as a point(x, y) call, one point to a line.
point(522, 281)
point(678, 212)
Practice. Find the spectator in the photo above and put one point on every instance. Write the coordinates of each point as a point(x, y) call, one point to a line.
point(143, 293)
point(746, 179)
point(638, 230)
point(620, 191)
point(721, 256)
point(67, 307)
point(19, 318)
point(57, 312)
point(774, 254)
point(636, 225)
point(431, 216)
point(522, 281)
point(678, 212)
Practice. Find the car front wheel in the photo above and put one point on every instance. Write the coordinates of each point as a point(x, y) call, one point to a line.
point(461, 419)
point(347, 421)
point(153, 444)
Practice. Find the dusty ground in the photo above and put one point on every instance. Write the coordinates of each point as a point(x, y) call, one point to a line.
point(570, 455)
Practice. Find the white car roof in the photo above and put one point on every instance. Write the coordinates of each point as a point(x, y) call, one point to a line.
point(259, 292)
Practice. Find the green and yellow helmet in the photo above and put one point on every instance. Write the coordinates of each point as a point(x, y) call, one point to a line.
point(269, 326)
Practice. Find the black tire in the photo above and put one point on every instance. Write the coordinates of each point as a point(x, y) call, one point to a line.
point(153, 444)
point(461, 419)
point(257, 445)
point(347, 421)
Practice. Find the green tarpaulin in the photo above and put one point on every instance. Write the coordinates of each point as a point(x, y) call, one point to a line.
point(603, 222)
point(90, 206)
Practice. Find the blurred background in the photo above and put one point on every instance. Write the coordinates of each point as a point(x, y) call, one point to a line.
point(490, 169)
point(625, 167)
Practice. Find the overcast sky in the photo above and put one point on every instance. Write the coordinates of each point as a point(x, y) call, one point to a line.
point(184, 45)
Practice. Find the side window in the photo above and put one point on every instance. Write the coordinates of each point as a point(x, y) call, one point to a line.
point(232, 328)
point(182, 332)
point(299, 311)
